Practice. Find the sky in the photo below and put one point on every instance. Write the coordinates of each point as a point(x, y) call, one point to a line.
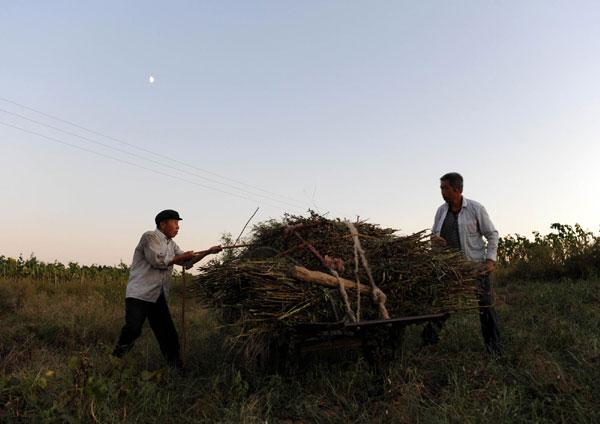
point(349, 108)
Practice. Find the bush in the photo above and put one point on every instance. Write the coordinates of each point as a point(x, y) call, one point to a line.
point(569, 252)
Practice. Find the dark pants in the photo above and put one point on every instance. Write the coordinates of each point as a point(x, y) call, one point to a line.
point(159, 317)
point(487, 317)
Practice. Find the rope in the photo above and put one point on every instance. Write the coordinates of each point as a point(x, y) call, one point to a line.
point(379, 296)
point(335, 264)
point(332, 264)
point(349, 313)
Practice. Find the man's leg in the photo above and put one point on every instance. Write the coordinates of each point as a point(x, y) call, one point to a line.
point(165, 332)
point(135, 315)
point(487, 315)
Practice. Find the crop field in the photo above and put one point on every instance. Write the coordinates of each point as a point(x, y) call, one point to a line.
point(57, 330)
point(55, 341)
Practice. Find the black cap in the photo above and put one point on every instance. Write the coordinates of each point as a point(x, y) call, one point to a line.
point(166, 215)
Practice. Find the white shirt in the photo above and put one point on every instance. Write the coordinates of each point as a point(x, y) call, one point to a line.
point(150, 272)
point(473, 223)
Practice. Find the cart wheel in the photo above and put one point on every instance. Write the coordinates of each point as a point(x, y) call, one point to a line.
point(382, 346)
point(396, 340)
point(431, 332)
point(373, 349)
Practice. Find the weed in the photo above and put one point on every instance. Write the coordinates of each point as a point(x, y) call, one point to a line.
point(55, 365)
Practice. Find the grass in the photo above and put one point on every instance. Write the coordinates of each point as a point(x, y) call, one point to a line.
point(55, 364)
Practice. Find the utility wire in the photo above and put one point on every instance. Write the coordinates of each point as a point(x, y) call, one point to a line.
point(164, 158)
point(140, 166)
point(145, 150)
point(147, 159)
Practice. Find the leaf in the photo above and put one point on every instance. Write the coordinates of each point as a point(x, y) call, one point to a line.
point(41, 382)
point(73, 362)
point(147, 375)
point(14, 381)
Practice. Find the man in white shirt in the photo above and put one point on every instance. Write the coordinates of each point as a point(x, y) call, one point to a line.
point(149, 283)
point(461, 223)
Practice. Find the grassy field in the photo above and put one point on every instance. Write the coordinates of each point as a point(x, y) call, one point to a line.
point(55, 363)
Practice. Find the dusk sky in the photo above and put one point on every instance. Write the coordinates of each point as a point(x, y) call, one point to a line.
point(350, 108)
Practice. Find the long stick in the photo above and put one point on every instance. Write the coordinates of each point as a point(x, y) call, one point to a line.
point(247, 222)
point(184, 340)
point(235, 246)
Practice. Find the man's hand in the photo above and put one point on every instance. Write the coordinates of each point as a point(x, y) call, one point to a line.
point(215, 249)
point(488, 267)
point(202, 254)
point(438, 241)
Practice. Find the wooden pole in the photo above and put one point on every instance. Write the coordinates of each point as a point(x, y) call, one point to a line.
point(184, 339)
point(323, 279)
point(235, 246)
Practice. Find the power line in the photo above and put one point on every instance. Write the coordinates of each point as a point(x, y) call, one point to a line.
point(137, 165)
point(163, 157)
point(145, 150)
point(147, 159)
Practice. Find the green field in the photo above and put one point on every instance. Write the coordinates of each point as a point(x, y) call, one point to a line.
point(56, 337)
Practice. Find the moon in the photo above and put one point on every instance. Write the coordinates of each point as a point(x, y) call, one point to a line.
point(151, 79)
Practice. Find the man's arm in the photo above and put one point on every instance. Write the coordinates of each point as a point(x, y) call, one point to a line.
point(195, 257)
point(204, 253)
point(182, 258)
point(491, 235)
point(436, 240)
point(154, 252)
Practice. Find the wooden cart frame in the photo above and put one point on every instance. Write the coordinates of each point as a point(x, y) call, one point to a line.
point(379, 340)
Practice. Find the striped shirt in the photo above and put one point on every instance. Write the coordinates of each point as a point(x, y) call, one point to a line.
point(449, 231)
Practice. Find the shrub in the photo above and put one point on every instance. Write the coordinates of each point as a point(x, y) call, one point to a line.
point(569, 252)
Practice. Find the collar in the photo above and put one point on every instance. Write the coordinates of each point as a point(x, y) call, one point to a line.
point(465, 202)
point(161, 235)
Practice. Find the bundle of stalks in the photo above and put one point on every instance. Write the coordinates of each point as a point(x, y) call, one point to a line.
point(255, 290)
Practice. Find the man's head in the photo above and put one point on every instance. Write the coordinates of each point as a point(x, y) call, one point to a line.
point(451, 185)
point(167, 222)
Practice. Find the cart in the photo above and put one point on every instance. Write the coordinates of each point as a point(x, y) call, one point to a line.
point(379, 340)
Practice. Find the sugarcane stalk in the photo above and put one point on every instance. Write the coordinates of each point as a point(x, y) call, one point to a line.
point(323, 279)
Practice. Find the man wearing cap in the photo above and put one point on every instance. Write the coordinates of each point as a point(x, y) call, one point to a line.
point(148, 286)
